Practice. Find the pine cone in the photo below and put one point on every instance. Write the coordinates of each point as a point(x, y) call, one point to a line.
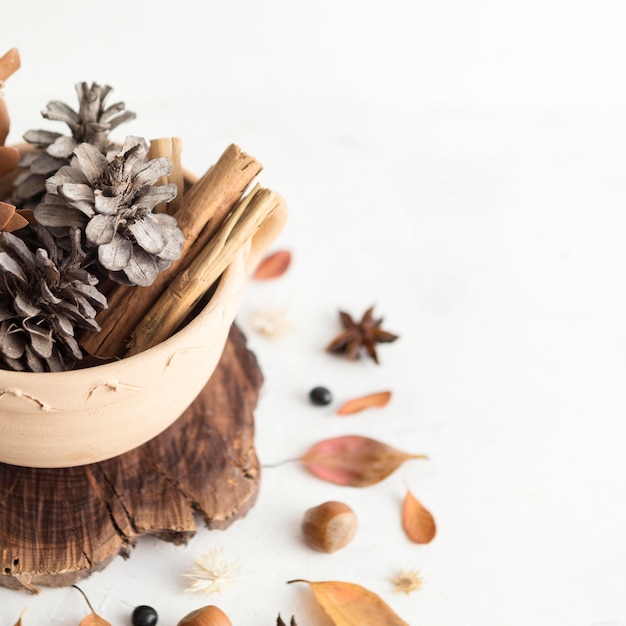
point(44, 295)
point(91, 124)
point(113, 201)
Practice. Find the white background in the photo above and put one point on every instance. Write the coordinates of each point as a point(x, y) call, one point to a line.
point(461, 166)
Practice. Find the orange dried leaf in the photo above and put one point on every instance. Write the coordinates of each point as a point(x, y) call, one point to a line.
point(19, 621)
point(10, 219)
point(353, 460)
point(273, 265)
point(348, 604)
point(417, 521)
point(92, 619)
point(371, 400)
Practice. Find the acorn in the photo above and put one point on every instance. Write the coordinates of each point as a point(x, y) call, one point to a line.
point(206, 616)
point(329, 526)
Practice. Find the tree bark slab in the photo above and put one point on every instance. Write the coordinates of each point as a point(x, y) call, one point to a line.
point(57, 526)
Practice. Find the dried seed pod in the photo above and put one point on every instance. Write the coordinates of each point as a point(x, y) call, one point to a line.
point(206, 616)
point(329, 526)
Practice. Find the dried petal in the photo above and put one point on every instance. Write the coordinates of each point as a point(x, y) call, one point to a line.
point(354, 460)
point(100, 229)
point(148, 235)
point(418, 523)
point(41, 138)
point(273, 265)
point(152, 171)
point(116, 254)
point(355, 405)
point(348, 604)
point(92, 162)
point(142, 268)
point(9, 264)
point(407, 581)
point(58, 215)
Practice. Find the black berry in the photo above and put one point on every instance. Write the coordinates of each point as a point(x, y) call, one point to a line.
point(320, 396)
point(144, 616)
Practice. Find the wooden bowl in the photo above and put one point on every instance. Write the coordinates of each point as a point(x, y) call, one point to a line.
point(84, 416)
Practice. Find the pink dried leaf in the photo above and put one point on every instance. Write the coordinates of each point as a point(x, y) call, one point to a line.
point(273, 265)
point(353, 460)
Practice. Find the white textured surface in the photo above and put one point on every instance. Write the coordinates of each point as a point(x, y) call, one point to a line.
point(462, 167)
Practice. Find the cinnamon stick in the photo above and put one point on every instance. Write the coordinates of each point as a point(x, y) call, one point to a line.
point(209, 263)
point(169, 147)
point(204, 207)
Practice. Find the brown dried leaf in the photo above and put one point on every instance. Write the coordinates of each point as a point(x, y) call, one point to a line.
point(355, 405)
point(353, 460)
point(417, 521)
point(273, 265)
point(9, 158)
point(10, 219)
point(348, 604)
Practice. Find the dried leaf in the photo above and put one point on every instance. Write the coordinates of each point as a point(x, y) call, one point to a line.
point(354, 460)
point(418, 523)
point(273, 265)
point(19, 621)
point(93, 619)
point(116, 254)
point(9, 158)
point(355, 405)
point(348, 604)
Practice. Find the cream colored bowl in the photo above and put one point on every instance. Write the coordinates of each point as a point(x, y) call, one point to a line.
point(84, 416)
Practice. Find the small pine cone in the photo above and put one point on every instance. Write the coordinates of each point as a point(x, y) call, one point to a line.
point(44, 296)
point(112, 201)
point(91, 124)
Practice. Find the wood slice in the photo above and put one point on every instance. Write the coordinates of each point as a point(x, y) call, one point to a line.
point(57, 526)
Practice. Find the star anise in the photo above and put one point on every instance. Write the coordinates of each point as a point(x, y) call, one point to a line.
point(363, 334)
point(280, 622)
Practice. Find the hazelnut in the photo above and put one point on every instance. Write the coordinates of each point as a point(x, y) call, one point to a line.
point(329, 526)
point(206, 616)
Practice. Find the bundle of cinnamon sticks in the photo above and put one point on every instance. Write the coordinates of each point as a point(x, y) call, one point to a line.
point(217, 220)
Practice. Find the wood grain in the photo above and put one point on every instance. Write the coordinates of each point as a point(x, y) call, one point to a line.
point(59, 525)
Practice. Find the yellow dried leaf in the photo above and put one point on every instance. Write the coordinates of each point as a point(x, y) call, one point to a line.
point(371, 400)
point(417, 521)
point(348, 604)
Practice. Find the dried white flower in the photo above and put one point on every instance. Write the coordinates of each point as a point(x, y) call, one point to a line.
point(407, 581)
point(272, 323)
point(211, 573)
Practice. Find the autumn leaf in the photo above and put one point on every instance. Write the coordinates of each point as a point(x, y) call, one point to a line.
point(348, 604)
point(417, 521)
point(371, 400)
point(92, 619)
point(273, 265)
point(353, 460)
point(19, 621)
